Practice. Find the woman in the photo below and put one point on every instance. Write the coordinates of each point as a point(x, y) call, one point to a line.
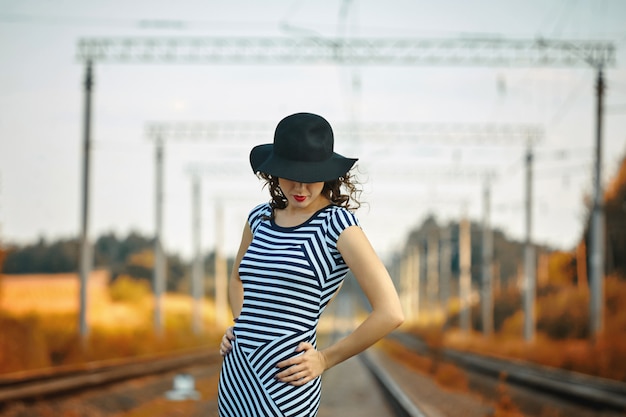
point(294, 254)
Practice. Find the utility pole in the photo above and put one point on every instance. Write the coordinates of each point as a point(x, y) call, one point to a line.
point(597, 227)
point(197, 273)
point(465, 258)
point(597, 231)
point(529, 256)
point(445, 271)
point(432, 277)
point(403, 287)
point(158, 273)
point(415, 284)
point(422, 281)
point(221, 279)
point(487, 262)
point(85, 248)
point(411, 283)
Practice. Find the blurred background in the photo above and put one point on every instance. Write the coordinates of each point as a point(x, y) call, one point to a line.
point(441, 142)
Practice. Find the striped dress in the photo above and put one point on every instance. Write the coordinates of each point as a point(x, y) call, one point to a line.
point(289, 275)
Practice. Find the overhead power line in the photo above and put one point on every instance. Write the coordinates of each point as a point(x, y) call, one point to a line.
point(378, 132)
point(357, 51)
point(115, 22)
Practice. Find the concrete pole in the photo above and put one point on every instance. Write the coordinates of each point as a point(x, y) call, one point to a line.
point(432, 277)
point(158, 277)
point(416, 269)
point(422, 281)
point(85, 249)
point(465, 284)
point(197, 273)
point(581, 266)
point(445, 271)
point(221, 279)
point(529, 257)
point(403, 290)
point(408, 283)
point(487, 264)
point(597, 232)
point(407, 278)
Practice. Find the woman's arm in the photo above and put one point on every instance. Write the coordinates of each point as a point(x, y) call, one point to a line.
point(235, 290)
point(376, 283)
point(386, 313)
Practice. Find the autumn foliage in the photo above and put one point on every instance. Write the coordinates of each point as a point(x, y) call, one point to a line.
point(39, 321)
point(562, 331)
point(562, 302)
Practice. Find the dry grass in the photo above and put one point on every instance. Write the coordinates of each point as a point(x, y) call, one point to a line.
point(602, 357)
point(39, 322)
point(50, 293)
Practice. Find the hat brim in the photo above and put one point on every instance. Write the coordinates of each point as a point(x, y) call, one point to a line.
point(263, 159)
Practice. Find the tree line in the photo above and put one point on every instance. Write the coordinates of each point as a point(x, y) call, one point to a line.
point(508, 253)
point(132, 255)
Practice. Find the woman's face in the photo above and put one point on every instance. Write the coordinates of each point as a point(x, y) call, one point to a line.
point(301, 194)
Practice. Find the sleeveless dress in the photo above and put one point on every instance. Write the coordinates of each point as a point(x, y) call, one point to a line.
point(289, 274)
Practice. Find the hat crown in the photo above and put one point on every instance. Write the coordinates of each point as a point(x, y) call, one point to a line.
point(304, 137)
point(302, 151)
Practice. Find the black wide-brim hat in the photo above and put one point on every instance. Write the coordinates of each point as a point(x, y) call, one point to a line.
point(303, 151)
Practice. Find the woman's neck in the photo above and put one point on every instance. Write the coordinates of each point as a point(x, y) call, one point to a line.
point(292, 216)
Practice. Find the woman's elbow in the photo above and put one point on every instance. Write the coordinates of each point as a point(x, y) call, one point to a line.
point(397, 319)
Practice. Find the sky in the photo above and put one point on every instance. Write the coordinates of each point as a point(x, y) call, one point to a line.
point(41, 116)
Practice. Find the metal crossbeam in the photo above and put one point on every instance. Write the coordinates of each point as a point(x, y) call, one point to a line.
point(451, 133)
point(457, 174)
point(211, 130)
point(388, 132)
point(354, 51)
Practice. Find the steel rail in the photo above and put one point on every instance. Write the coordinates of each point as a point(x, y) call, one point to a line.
point(56, 381)
point(567, 384)
point(570, 385)
point(51, 382)
point(396, 396)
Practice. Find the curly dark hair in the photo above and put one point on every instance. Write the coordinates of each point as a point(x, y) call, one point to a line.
point(332, 191)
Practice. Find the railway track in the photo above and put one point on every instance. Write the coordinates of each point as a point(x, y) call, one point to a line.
point(396, 392)
point(374, 379)
point(51, 385)
point(533, 387)
point(577, 388)
point(52, 382)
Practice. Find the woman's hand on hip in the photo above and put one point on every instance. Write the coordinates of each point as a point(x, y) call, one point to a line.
point(302, 368)
point(226, 345)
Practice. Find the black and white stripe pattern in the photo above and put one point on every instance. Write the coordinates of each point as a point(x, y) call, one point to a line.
point(289, 275)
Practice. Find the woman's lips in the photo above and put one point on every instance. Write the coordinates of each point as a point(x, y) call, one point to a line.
point(299, 198)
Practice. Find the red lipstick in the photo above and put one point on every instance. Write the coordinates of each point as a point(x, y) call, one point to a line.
point(299, 198)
